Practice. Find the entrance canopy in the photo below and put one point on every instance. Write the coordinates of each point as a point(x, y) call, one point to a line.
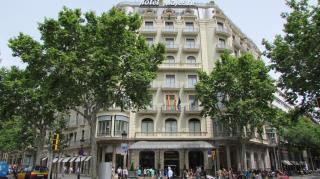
point(171, 145)
point(286, 162)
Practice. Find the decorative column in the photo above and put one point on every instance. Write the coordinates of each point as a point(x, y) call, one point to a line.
point(228, 156)
point(253, 164)
point(238, 159)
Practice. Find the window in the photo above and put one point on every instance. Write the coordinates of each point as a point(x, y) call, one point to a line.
point(148, 24)
point(221, 43)
point(169, 42)
point(191, 59)
point(169, 26)
point(220, 25)
point(190, 43)
point(120, 125)
point(192, 80)
point(171, 125)
point(193, 103)
point(171, 102)
point(170, 60)
point(189, 26)
point(194, 125)
point(170, 81)
point(147, 126)
point(104, 125)
point(149, 41)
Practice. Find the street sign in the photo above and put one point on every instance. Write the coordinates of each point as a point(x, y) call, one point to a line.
point(124, 148)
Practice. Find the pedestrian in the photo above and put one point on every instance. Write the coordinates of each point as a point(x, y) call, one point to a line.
point(119, 172)
point(170, 173)
point(144, 172)
point(70, 170)
point(125, 173)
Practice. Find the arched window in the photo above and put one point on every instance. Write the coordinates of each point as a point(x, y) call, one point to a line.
point(194, 125)
point(171, 125)
point(170, 59)
point(147, 126)
point(191, 59)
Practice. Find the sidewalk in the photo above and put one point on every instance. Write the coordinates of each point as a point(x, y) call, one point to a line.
point(71, 176)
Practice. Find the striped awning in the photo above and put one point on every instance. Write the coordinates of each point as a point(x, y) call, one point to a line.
point(80, 159)
point(66, 159)
point(45, 158)
point(286, 162)
point(55, 160)
point(60, 160)
point(72, 159)
point(87, 159)
point(172, 145)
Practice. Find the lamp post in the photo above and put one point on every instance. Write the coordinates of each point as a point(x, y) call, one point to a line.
point(124, 137)
point(81, 152)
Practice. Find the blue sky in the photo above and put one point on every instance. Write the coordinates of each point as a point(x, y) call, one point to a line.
point(257, 18)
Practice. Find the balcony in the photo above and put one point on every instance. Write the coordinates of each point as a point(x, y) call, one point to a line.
point(171, 86)
point(222, 47)
point(155, 85)
point(72, 125)
point(172, 48)
point(149, 110)
point(169, 135)
point(169, 31)
point(222, 31)
point(190, 31)
point(171, 109)
point(180, 66)
point(148, 30)
point(237, 43)
point(192, 109)
point(191, 48)
point(116, 135)
point(77, 144)
point(189, 87)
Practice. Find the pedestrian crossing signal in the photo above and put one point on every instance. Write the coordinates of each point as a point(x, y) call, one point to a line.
point(55, 142)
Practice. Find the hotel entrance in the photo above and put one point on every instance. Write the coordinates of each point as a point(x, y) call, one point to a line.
point(171, 159)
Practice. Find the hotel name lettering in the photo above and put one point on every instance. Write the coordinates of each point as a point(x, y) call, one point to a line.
point(168, 3)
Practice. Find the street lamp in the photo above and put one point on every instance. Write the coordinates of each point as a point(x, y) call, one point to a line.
point(81, 152)
point(124, 137)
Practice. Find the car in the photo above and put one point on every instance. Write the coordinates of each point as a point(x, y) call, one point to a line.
point(36, 172)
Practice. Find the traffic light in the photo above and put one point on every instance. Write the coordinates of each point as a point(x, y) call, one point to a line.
point(213, 154)
point(55, 142)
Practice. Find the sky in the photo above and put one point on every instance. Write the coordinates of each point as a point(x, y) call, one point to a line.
point(258, 19)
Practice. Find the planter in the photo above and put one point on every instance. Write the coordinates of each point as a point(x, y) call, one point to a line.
point(132, 174)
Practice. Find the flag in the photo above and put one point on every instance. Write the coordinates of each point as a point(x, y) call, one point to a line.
point(179, 104)
point(174, 103)
point(168, 102)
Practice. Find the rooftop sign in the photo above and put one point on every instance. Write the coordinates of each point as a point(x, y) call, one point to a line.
point(174, 3)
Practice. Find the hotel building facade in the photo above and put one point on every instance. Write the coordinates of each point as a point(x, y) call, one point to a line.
point(171, 131)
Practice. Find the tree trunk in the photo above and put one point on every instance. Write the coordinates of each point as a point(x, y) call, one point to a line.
point(93, 147)
point(244, 155)
point(40, 144)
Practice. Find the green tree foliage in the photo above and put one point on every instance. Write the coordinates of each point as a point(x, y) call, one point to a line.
point(303, 133)
point(90, 63)
point(25, 98)
point(15, 135)
point(296, 55)
point(237, 93)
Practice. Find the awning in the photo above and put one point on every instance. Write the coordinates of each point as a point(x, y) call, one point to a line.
point(87, 159)
point(171, 145)
point(66, 159)
point(72, 159)
point(45, 158)
point(294, 163)
point(82, 159)
point(54, 160)
point(301, 162)
point(286, 162)
point(60, 160)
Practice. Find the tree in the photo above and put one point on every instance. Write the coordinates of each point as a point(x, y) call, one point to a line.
point(15, 135)
point(24, 98)
point(91, 63)
point(296, 56)
point(237, 94)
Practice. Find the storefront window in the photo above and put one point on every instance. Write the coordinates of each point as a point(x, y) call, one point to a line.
point(104, 125)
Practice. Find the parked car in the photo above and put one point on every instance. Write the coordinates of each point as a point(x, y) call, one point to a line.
point(36, 172)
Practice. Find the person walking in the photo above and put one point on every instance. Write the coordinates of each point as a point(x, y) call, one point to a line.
point(119, 172)
point(170, 173)
point(125, 173)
